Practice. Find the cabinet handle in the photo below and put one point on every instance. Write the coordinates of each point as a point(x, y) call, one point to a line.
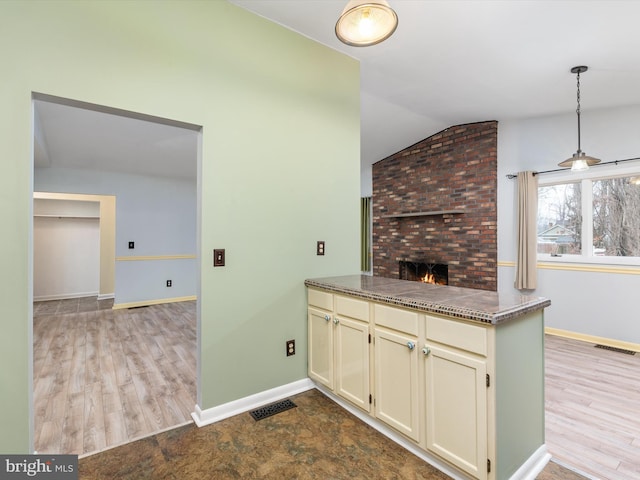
point(327, 317)
point(335, 320)
point(411, 345)
point(426, 351)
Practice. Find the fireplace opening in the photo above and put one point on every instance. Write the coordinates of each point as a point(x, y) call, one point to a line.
point(434, 273)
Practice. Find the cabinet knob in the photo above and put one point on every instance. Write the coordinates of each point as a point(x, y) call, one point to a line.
point(335, 320)
point(327, 317)
point(411, 345)
point(426, 351)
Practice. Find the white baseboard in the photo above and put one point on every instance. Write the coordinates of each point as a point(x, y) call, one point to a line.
point(106, 296)
point(215, 414)
point(147, 303)
point(530, 469)
point(64, 296)
point(593, 339)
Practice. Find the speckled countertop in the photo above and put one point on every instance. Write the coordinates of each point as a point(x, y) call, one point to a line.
point(477, 305)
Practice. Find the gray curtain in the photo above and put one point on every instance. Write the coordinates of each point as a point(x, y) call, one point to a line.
point(526, 274)
point(365, 234)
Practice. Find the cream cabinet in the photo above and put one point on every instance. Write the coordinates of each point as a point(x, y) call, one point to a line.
point(396, 396)
point(468, 394)
point(352, 361)
point(320, 345)
point(456, 389)
point(320, 337)
point(339, 346)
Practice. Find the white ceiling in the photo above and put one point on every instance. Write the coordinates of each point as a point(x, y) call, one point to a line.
point(449, 62)
point(73, 135)
point(458, 61)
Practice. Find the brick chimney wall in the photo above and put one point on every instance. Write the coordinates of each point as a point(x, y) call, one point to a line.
point(455, 169)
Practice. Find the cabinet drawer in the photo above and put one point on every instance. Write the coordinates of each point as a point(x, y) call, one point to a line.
point(320, 299)
point(472, 338)
point(395, 318)
point(350, 307)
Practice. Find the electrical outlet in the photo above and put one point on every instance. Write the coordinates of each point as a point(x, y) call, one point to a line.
point(131, 245)
point(291, 347)
point(169, 283)
point(320, 247)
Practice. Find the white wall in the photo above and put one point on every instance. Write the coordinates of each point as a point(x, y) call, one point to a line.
point(66, 248)
point(587, 299)
point(66, 257)
point(158, 214)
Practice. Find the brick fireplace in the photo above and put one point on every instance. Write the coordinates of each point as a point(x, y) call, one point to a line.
point(435, 203)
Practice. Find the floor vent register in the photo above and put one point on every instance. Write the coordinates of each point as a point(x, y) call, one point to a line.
point(616, 349)
point(272, 409)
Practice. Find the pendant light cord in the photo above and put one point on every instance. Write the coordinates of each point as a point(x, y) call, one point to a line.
point(578, 110)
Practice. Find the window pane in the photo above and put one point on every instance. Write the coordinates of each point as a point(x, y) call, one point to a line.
point(616, 217)
point(559, 219)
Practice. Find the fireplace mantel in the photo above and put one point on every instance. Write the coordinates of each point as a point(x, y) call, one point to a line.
point(423, 214)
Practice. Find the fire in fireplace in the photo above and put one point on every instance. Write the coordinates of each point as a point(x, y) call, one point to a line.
point(434, 273)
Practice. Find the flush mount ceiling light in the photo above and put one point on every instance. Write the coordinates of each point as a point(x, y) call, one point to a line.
point(365, 23)
point(579, 160)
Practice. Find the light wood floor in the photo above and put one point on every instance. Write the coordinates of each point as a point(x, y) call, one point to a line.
point(593, 408)
point(103, 377)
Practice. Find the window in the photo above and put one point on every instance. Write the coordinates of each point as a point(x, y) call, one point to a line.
point(595, 218)
point(616, 217)
point(560, 219)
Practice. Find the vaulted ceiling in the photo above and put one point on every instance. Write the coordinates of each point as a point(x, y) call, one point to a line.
point(458, 61)
point(449, 62)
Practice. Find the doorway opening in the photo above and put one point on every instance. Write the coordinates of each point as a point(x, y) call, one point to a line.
point(105, 376)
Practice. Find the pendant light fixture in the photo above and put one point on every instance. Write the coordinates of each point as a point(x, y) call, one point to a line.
point(579, 160)
point(365, 23)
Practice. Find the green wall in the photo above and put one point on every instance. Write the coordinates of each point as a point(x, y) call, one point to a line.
point(519, 387)
point(280, 168)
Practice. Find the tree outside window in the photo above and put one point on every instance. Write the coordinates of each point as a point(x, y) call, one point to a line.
point(593, 217)
point(560, 219)
point(616, 217)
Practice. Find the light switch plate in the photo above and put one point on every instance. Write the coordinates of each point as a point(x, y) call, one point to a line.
point(218, 257)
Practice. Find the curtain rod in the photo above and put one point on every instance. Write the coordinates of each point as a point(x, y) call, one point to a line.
point(512, 175)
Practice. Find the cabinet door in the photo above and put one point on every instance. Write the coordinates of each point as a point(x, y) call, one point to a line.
point(320, 344)
point(396, 381)
point(352, 361)
point(456, 402)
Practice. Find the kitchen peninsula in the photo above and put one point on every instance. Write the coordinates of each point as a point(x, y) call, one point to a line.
point(456, 375)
